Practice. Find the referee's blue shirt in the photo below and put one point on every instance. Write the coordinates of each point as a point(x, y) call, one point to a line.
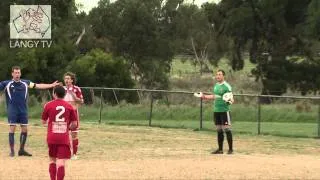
point(16, 96)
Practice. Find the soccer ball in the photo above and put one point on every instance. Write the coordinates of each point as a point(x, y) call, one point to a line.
point(228, 97)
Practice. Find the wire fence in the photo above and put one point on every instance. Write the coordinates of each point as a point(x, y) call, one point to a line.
point(297, 116)
point(293, 116)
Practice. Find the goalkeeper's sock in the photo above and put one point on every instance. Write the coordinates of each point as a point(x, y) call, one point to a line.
point(60, 173)
point(75, 143)
point(229, 138)
point(220, 139)
point(52, 171)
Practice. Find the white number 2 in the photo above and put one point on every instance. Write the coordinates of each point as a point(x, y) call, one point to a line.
point(61, 110)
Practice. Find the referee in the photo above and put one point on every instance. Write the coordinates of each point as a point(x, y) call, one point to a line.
point(16, 91)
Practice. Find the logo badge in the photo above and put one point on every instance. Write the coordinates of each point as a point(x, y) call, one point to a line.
point(30, 26)
point(30, 21)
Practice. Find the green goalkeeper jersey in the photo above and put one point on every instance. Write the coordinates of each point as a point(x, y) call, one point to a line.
point(218, 90)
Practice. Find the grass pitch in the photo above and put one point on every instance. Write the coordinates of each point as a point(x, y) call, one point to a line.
point(139, 152)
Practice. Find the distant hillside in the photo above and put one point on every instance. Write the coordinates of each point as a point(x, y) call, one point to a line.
point(186, 76)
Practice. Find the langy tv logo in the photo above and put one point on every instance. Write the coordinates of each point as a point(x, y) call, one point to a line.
point(30, 26)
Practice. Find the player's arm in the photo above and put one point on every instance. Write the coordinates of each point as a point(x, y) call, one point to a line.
point(44, 123)
point(44, 86)
point(210, 96)
point(79, 100)
point(45, 116)
point(73, 125)
point(77, 97)
point(73, 119)
point(2, 85)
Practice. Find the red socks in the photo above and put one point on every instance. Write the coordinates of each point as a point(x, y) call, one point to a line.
point(52, 171)
point(60, 173)
point(75, 143)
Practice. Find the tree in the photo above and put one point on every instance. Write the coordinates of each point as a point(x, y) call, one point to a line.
point(137, 30)
point(313, 20)
point(194, 35)
point(98, 68)
point(42, 64)
point(272, 32)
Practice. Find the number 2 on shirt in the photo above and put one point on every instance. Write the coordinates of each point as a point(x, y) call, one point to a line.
point(59, 126)
point(61, 110)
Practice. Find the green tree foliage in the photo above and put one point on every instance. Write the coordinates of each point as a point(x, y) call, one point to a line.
point(42, 64)
point(138, 31)
point(98, 68)
point(274, 34)
point(313, 19)
point(195, 36)
point(281, 37)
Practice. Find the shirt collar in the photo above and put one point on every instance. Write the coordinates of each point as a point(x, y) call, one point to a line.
point(16, 81)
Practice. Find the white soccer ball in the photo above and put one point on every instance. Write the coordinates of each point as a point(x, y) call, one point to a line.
point(228, 97)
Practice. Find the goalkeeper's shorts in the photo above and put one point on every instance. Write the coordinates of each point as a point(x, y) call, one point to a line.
point(222, 118)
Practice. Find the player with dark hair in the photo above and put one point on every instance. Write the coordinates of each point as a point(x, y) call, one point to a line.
point(16, 91)
point(75, 98)
point(59, 116)
point(222, 116)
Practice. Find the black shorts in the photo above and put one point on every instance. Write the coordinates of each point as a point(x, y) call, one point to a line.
point(222, 118)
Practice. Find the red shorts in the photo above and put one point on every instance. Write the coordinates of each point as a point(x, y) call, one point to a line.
point(78, 122)
point(59, 151)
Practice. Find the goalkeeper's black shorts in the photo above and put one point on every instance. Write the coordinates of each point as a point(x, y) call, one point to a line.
point(222, 118)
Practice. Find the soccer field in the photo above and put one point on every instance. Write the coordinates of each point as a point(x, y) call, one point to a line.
point(136, 152)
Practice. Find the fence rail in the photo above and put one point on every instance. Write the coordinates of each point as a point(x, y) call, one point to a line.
point(151, 97)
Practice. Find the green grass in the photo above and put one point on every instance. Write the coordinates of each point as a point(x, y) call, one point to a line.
point(276, 119)
point(180, 67)
point(285, 129)
point(270, 128)
point(184, 75)
point(240, 112)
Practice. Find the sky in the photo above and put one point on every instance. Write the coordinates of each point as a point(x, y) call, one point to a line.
point(89, 4)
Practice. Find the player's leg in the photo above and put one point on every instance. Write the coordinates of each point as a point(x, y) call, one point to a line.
point(12, 129)
point(52, 164)
point(227, 130)
point(12, 122)
point(60, 169)
point(75, 143)
point(64, 153)
point(75, 139)
point(23, 136)
point(220, 135)
point(52, 168)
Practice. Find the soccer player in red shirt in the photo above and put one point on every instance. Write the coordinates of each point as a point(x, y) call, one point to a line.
point(59, 116)
point(75, 98)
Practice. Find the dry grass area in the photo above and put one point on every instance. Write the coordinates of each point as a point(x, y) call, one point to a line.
point(121, 152)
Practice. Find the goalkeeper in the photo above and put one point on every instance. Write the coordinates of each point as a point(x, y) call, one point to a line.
point(221, 111)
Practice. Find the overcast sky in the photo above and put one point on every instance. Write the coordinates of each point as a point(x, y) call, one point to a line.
point(89, 4)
